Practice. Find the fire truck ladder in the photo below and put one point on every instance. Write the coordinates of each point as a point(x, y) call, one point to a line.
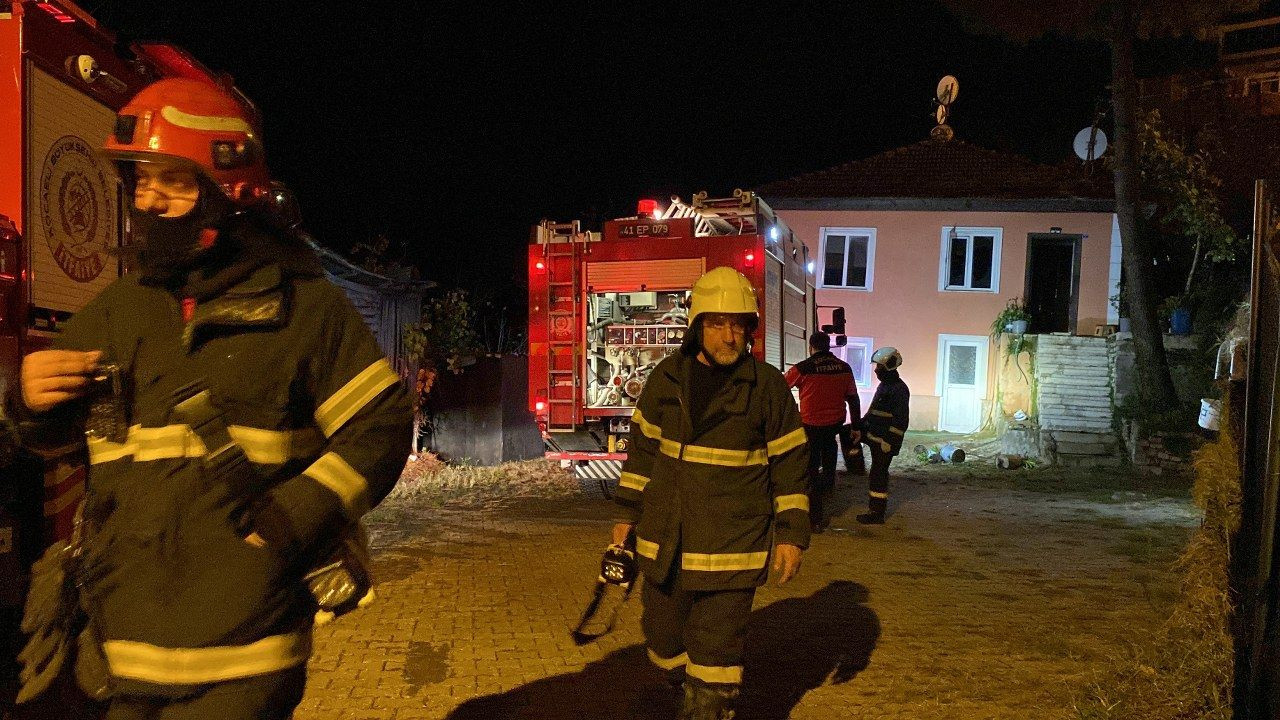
point(561, 250)
point(738, 215)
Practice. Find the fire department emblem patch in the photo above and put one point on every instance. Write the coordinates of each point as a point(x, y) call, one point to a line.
point(77, 208)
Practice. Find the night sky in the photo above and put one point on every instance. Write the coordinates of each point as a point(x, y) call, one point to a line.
point(452, 127)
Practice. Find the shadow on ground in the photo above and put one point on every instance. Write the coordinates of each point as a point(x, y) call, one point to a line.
point(850, 495)
point(793, 646)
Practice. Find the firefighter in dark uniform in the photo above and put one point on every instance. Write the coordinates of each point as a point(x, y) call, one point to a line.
point(717, 469)
point(827, 388)
point(193, 579)
point(883, 429)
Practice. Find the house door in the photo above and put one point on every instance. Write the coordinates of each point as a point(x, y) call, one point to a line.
point(962, 380)
point(1053, 282)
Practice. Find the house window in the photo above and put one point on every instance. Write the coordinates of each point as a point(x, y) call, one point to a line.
point(848, 258)
point(970, 259)
point(857, 352)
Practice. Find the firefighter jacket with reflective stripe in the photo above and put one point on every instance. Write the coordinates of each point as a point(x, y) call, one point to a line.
point(887, 417)
point(710, 496)
point(179, 598)
point(827, 388)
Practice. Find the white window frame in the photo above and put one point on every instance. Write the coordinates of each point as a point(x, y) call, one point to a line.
point(944, 258)
point(868, 346)
point(870, 234)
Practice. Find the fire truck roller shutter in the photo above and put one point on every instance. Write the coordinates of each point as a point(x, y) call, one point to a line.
point(630, 276)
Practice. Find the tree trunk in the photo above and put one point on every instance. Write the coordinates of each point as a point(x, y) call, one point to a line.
point(1155, 384)
point(1195, 262)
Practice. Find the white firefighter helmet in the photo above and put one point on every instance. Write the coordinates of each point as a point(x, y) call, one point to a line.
point(722, 290)
point(887, 357)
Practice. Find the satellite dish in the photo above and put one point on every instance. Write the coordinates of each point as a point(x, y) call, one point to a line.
point(1090, 143)
point(948, 89)
point(941, 114)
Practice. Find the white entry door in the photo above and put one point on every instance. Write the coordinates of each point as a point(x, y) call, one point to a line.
point(962, 382)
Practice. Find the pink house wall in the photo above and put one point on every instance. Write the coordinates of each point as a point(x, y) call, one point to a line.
point(904, 307)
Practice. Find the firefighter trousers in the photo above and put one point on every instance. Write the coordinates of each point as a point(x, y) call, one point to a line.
point(703, 632)
point(262, 697)
point(822, 466)
point(878, 481)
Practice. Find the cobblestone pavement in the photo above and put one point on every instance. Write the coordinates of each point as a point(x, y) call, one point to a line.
point(969, 603)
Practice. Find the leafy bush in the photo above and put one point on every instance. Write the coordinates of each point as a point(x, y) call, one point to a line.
point(444, 337)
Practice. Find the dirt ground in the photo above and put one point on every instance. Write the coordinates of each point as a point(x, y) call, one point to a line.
point(988, 594)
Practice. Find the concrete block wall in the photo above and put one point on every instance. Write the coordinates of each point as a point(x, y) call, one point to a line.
point(1073, 400)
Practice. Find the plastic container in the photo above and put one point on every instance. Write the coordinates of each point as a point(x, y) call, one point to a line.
point(1180, 322)
point(952, 454)
point(1210, 413)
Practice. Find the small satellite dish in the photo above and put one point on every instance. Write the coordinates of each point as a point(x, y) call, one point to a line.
point(1090, 143)
point(948, 89)
point(941, 114)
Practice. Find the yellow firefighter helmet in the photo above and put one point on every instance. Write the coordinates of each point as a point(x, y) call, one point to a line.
point(722, 290)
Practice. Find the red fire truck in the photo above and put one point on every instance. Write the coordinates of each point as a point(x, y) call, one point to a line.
point(606, 307)
point(62, 209)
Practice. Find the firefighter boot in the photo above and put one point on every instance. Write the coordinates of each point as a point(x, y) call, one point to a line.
point(708, 702)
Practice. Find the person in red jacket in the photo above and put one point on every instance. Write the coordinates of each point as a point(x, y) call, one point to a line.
point(827, 389)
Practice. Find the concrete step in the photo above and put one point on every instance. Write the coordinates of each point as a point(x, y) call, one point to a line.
point(1086, 448)
point(1083, 437)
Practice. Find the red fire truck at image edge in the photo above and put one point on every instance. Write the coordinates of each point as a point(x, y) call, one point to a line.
point(62, 208)
point(606, 307)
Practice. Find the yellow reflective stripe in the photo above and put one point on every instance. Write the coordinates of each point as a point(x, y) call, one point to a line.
point(722, 675)
point(668, 663)
point(198, 666)
point(349, 485)
point(799, 501)
point(344, 404)
point(883, 445)
point(878, 495)
point(276, 447)
point(787, 443)
point(104, 451)
point(647, 428)
point(881, 413)
point(714, 456)
point(266, 447)
point(633, 481)
point(714, 562)
point(644, 548)
point(895, 431)
point(163, 443)
point(217, 123)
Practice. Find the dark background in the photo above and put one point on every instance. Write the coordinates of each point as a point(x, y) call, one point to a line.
point(453, 127)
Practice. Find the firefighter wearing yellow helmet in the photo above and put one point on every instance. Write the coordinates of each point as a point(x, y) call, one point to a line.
point(717, 466)
point(883, 428)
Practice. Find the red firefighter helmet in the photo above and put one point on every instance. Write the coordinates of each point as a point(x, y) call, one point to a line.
point(197, 122)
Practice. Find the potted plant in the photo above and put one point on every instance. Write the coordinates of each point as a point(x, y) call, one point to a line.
point(1012, 319)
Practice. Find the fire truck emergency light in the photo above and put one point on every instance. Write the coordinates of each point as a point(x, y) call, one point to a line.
point(539, 406)
point(648, 207)
point(56, 12)
point(539, 266)
point(750, 259)
point(773, 233)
